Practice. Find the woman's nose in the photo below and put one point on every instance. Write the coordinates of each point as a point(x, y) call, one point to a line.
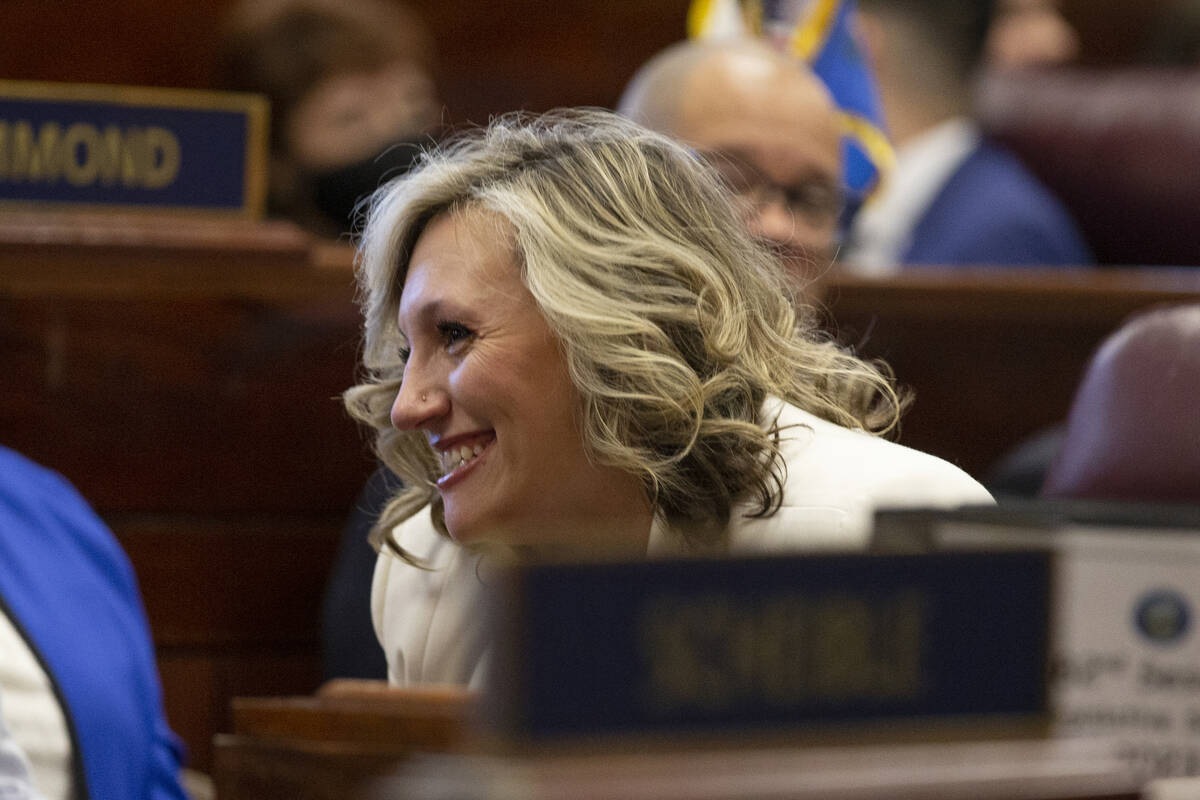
point(416, 406)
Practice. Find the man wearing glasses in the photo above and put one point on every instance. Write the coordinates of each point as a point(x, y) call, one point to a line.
point(768, 125)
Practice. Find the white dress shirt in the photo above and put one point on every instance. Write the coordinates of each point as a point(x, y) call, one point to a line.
point(882, 229)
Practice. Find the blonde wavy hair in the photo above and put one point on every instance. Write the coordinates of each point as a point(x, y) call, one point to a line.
point(675, 324)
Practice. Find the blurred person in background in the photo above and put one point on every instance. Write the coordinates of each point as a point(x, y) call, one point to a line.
point(77, 665)
point(767, 125)
point(352, 98)
point(953, 197)
point(1030, 33)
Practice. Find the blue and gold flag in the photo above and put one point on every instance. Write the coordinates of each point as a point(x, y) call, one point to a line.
point(823, 38)
point(820, 33)
point(718, 19)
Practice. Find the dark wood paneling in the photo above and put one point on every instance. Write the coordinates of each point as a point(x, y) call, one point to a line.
point(199, 687)
point(184, 376)
point(1111, 32)
point(98, 41)
point(238, 581)
point(189, 405)
point(167, 376)
point(491, 57)
point(532, 55)
point(234, 604)
point(991, 355)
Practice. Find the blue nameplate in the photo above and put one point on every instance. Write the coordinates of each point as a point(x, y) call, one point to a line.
point(773, 645)
point(130, 148)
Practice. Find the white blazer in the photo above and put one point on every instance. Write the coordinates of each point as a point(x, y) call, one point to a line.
point(430, 622)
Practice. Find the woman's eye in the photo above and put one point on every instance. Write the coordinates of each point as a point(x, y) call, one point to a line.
point(404, 353)
point(454, 335)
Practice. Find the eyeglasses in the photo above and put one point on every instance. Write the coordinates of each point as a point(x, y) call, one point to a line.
point(817, 200)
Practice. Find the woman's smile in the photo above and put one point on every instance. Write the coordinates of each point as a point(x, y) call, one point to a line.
point(461, 457)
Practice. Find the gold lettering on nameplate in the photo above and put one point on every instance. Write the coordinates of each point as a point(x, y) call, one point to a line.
point(717, 652)
point(82, 154)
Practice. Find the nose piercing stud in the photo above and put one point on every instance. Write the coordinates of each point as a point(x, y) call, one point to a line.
point(424, 397)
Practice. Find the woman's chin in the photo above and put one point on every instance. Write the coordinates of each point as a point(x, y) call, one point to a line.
point(466, 531)
point(462, 534)
point(471, 533)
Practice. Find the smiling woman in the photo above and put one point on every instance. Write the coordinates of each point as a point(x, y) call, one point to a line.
point(487, 385)
point(572, 344)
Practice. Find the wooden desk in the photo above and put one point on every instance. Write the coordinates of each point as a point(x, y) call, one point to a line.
point(392, 744)
point(992, 354)
point(336, 744)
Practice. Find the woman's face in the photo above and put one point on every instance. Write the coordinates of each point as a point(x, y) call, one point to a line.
point(487, 383)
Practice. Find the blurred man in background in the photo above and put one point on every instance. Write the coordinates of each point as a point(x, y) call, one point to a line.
point(953, 197)
point(767, 124)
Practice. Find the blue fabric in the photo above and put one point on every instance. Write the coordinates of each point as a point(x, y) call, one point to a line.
point(994, 211)
point(68, 584)
point(841, 66)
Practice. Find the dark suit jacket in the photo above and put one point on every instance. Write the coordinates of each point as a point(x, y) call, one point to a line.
point(992, 210)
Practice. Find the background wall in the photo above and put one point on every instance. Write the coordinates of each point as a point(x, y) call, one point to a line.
point(492, 56)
